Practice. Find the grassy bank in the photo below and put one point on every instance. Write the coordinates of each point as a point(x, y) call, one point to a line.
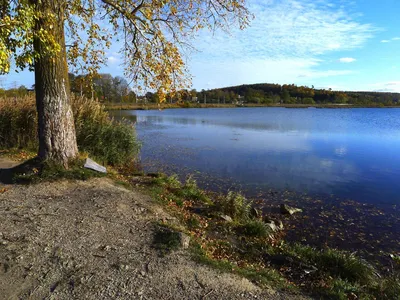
point(229, 234)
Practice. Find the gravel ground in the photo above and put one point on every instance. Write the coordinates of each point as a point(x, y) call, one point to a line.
point(93, 240)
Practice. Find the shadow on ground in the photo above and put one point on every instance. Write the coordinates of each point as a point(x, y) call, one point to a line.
point(9, 169)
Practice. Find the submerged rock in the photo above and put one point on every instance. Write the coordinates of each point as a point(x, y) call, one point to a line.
point(288, 210)
point(271, 225)
point(275, 226)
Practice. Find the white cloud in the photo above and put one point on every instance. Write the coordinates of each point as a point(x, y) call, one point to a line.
point(341, 151)
point(289, 28)
point(283, 44)
point(385, 41)
point(347, 60)
point(284, 70)
point(113, 59)
point(395, 38)
point(390, 86)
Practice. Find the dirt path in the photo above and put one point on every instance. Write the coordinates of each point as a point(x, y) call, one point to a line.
point(6, 163)
point(92, 240)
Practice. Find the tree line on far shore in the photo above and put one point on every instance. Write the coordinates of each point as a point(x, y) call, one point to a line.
point(108, 89)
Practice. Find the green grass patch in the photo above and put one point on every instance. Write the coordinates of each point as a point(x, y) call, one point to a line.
point(190, 191)
point(234, 205)
point(261, 276)
point(166, 240)
point(34, 171)
point(253, 228)
point(338, 264)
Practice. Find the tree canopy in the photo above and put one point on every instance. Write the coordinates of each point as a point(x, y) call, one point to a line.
point(153, 34)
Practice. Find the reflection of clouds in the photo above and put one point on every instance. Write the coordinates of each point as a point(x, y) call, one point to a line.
point(300, 172)
point(269, 141)
point(326, 163)
point(224, 123)
point(341, 151)
point(265, 142)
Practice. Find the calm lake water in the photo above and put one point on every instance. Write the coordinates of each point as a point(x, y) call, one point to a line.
point(348, 153)
point(341, 166)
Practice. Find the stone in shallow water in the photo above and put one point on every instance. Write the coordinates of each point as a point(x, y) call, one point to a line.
point(90, 164)
point(287, 210)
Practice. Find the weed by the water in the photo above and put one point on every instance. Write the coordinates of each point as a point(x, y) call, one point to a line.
point(171, 182)
point(338, 264)
point(253, 228)
point(191, 191)
point(235, 205)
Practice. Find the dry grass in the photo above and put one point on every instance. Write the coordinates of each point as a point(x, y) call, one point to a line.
point(97, 134)
point(18, 123)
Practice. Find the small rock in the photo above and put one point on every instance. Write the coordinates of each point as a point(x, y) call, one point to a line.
point(272, 226)
point(92, 165)
point(184, 240)
point(226, 218)
point(287, 210)
point(310, 270)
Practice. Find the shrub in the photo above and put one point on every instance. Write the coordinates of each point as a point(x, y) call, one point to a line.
point(254, 228)
point(171, 182)
point(235, 205)
point(191, 191)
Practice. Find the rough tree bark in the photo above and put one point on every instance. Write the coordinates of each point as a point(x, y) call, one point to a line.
point(57, 138)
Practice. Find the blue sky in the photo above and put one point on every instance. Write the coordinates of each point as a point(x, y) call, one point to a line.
point(338, 44)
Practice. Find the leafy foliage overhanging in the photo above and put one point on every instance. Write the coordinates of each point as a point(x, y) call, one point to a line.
point(154, 34)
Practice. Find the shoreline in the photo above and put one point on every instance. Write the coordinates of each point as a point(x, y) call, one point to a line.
point(326, 221)
point(229, 234)
point(114, 106)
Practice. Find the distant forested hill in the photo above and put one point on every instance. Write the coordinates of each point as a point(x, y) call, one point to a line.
point(109, 89)
point(291, 94)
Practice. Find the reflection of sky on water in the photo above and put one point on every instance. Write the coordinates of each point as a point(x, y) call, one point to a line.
point(352, 153)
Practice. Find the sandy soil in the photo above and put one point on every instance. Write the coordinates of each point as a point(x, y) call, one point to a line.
point(93, 240)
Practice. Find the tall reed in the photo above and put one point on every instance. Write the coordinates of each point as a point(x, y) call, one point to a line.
point(105, 139)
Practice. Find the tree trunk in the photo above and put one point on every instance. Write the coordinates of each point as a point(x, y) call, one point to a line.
point(57, 139)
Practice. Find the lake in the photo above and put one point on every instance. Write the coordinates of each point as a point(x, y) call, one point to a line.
point(342, 166)
point(350, 153)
